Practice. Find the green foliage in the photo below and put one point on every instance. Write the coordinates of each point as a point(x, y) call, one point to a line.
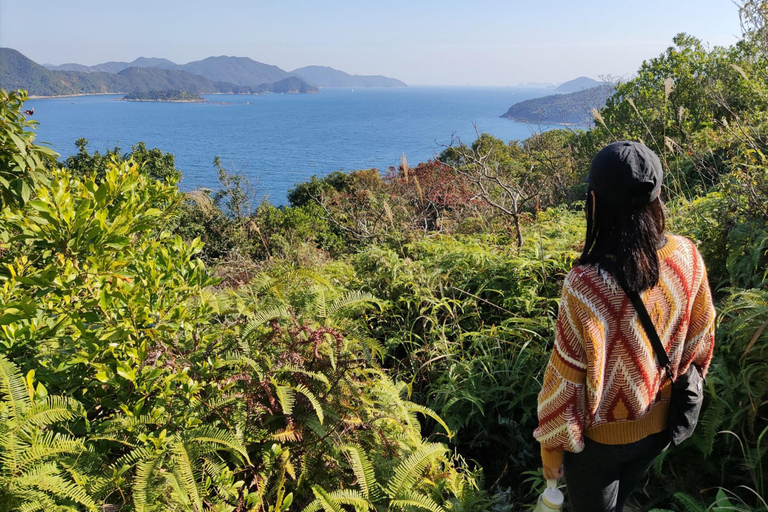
point(38, 467)
point(22, 163)
point(164, 95)
point(354, 331)
point(156, 164)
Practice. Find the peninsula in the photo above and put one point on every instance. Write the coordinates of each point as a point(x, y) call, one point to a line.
point(171, 95)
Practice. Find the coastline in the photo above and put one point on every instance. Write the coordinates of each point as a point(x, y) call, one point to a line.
point(36, 97)
point(166, 101)
point(540, 122)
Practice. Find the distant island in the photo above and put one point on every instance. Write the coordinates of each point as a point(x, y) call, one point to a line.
point(578, 84)
point(213, 75)
point(571, 109)
point(290, 85)
point(172, 95)
point(323, 76)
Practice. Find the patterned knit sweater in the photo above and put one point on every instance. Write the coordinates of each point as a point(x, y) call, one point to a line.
point(603, 380)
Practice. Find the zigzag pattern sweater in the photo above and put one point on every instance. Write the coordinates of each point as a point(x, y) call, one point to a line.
point(603, 380)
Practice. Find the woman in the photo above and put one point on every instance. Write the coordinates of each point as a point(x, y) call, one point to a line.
point(604, 400)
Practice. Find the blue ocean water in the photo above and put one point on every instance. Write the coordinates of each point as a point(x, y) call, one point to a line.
point(280, 140)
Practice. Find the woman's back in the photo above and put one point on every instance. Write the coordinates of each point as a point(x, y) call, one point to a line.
point(626, 393)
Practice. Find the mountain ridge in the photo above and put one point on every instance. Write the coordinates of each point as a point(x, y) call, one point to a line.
point(19, 72)
point(241, 71)
point(326, 76)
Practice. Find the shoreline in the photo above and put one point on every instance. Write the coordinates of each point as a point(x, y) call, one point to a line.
point(166, 101)
point(36, 97)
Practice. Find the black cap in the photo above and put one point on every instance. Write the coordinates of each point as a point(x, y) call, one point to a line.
point(625, 172)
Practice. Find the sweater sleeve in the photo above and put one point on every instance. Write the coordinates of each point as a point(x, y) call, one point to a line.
point(561, 409)
point(700, 338)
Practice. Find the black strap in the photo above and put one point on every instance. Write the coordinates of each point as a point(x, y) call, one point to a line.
point(650, 331)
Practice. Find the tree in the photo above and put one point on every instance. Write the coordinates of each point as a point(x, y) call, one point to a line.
point(22, 162)
point(505, 176)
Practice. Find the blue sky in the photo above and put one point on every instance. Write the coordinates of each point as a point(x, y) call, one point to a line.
point(448, 42)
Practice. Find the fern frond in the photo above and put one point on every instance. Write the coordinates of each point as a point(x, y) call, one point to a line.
point(184, 469)
point(231, 359)
point(426, 411)
point(316, 405)
point(689, 503)
point(139, 454)
point(363, 470)
point(410, 499)
point(262, 317)
point(408, 471)
point(286, 435)
point(295, 369)
point(327, 503)
point(352, 298)
point(36, 501)
point(286, 395)
point(711, 421)
point(142, 482)
point(179, 496)
point(51, 410)
point(14, 388)
point(320, 303)
point(375, 349)
point(219, 437)
point(352, 497)
point(45, 479)
point(47, 447)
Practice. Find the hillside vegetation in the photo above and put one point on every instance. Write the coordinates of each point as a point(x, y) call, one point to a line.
point(19, 72)
point(376, 345)
point(571, 108)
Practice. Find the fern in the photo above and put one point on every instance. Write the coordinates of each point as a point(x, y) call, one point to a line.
point(286, 395)
point(352, 298)
point(262, 317)
point(13, 388)
point(312, 375)
point(408, 471)
point(316, 405)
point(327, 502)
point(47, 478)
point(33, 459)
point(426, 411)
point(52, 410)
point(689, 503)
point(142, 487)
point(353, 498)
point(218, 437)
point(185, 471)
point(411, 499)
point(363, 470)
point(231, 359)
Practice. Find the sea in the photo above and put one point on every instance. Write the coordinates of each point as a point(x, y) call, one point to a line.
point(278, 140)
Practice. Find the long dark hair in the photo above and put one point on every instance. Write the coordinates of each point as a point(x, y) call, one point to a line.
point(623, 240)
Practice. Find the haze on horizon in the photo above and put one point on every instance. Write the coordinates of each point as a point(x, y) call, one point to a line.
point(429, 42)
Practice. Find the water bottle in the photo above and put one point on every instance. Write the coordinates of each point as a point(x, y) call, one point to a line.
point(550, 500)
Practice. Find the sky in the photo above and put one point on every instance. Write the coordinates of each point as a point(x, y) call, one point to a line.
point(422, 42)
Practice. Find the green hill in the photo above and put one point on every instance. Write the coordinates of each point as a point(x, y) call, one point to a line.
point(290, 85)
point(19, 72)
point(324, 76)
point(577, 84)
point(573, 108)
point(237, 70)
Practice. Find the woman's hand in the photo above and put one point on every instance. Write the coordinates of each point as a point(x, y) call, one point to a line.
point(553, 473)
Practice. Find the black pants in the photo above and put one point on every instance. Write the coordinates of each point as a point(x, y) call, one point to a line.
point(601, 477)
